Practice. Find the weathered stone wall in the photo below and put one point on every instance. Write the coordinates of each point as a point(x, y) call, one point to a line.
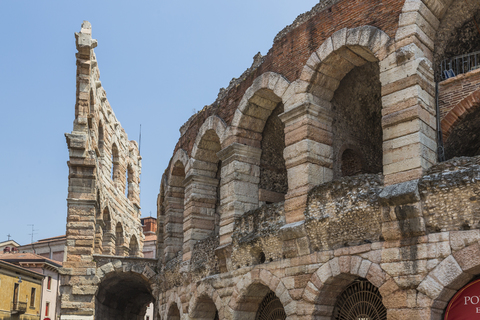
point(103, 194)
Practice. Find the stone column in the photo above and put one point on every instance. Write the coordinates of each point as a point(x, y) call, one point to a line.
point(238, 190)
point(173, 224)
point(199, 213)
point(308, 153)
point(408, 95)
point(109, 244)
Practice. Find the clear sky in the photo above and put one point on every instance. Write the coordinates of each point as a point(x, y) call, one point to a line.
point(160, 61)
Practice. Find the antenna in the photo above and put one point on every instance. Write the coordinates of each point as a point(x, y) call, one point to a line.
point(9, 236)
point(33, 231)
point(140, 139)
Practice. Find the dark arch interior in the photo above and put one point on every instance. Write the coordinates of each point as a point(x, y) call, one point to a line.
point(205, 309)
point(357, 119)
point(173, 313)
point(122, 296)
point(273, 172)
point(464, 140)
point(463, 40)
point(259, 302)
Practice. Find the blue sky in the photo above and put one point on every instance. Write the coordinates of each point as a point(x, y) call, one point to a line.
point(160, 61)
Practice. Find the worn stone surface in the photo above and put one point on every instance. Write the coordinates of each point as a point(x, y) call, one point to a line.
point(336, 123)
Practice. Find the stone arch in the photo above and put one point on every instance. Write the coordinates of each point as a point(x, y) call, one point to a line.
point(133, 248)
point(459, 128)
point(330, 280)
point(212, 125)
point(123, 291)
point(253, 287)
point(205, 304)
point(108, 241)
point(258, 102)
point(174, 302)
point(450, 275)
point(120, 249)
point(335, 58)
point(202, 194)
point(346, 65)
point(174, 203)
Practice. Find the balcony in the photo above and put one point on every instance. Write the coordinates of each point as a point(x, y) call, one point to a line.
point(19, 307)
point(460, 64)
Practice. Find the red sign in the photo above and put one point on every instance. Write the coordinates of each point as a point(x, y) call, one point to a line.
point(465, 305)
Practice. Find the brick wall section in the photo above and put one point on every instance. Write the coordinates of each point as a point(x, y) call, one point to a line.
point(289, 54)
point(452, 93)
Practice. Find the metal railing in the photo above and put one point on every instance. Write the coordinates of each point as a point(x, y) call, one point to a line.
point(460, 64)
point(19, 307)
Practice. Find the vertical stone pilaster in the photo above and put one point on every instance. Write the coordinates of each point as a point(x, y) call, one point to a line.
point(108, 244)
point(200, 210)
point(308, 153)
point(239, 185)
point(408, 97)
point(173, 236)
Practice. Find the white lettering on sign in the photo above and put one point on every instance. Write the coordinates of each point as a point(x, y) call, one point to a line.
point(472, 300)
point(478, 310)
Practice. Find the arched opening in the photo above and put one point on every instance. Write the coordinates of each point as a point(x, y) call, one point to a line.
point(115, 164)
point(129, 191)
point(259, 302)
point(133, 247)
point(273, 172)
point(101, 139)
point(360, 300)
point(349, 296)
point(457, 40)
point(357, 121)
point(464, 138)
point(351, 163)
point(119, 241)
point(204, 309)
point(173, 313)
point(122, 296)
point(108, 246)
point(201, 192)
point(174, 212)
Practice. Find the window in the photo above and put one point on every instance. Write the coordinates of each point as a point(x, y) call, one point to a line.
point(32, 298)
point(47, 309)
point(49, 283)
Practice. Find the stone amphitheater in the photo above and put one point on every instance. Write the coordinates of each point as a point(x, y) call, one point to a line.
point(337, 178)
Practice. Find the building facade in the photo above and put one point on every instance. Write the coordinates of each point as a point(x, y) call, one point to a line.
point(20, 293)
point(340, 169)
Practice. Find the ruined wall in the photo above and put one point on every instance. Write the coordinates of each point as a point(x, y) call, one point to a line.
point(103, 196)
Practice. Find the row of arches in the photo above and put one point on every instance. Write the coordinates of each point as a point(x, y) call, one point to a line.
point(329, 121)
point(341, 117)
point(110, 237)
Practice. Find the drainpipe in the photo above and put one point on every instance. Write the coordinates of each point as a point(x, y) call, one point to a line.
point(440, 147)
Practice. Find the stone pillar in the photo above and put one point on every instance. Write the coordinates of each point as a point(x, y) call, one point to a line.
point(199, 213)
point(308, 153)
point(408, 96)
point(238, 190)
point(108, 244)
point(173, 224)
